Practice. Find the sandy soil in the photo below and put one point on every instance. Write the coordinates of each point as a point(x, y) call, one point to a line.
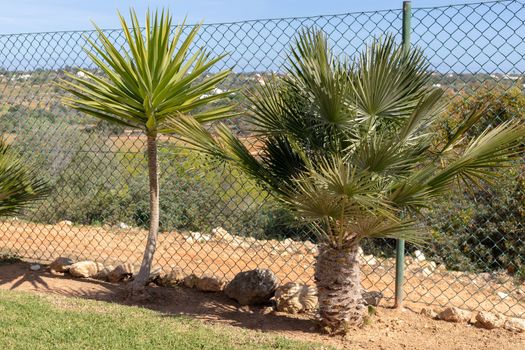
point(389, 329)
point(290, 261)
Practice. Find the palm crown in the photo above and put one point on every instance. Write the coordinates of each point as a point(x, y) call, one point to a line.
point(347, 145)
point(157, 79)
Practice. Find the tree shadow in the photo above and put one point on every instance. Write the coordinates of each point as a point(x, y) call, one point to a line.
point(19, 275)
point(170, 302)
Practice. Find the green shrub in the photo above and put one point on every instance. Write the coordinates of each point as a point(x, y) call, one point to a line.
point(483, 230)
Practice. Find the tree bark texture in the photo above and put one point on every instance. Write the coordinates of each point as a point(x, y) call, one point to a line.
point(145, 268)
point(337, 276)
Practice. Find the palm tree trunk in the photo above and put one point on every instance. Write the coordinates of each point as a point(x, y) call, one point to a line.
point(145, 268)
point(338, 282)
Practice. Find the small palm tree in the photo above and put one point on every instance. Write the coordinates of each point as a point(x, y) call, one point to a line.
point(347, 146)
point(19, 184)
point(154, 80)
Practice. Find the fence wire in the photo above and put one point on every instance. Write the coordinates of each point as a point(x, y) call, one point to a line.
point(216, 221)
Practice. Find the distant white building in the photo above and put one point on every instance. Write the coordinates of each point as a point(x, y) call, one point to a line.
point(20, 77)
point(510, 77)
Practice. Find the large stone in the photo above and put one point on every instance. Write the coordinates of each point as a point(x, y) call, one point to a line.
point(204, 283)
point(372, 298)
point(252, 287)
point(104, 273)
point(489, 320)
point(61, 264)
point(173, 278)
point(190, 281)
point(209, 284)
point(199, 237)
point(121, 272)
point(454, 314)
point(220, 234)
point(419, 256)
point(85, 269)
point(65, 223)
point(514, 324)
point(295, 298)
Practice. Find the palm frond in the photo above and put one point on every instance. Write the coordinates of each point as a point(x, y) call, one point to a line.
point(20, 185)
point(388, 82)
point(155, 77)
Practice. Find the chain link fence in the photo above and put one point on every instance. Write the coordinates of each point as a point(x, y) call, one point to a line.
point(216, 221)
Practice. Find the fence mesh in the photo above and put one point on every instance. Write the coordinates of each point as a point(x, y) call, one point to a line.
point(216, 221)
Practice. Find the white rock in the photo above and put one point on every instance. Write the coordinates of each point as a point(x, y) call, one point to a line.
point(370, 260)
point(502, 295)
point(419, 255)
point(197, 237)
point(123, 226)
point(310, 247)
point(454, 314)
point(221, 234)
point(426, 272)
point(515, 324)
point(441, 268)
point(250, 240)
point(35, 267)
point(288, 242)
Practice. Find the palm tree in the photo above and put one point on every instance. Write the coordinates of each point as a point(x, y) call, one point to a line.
point(347, 146)
point(19, 184)
point(155, 79)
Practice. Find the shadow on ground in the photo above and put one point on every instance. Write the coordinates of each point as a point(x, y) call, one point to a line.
point(168, 301)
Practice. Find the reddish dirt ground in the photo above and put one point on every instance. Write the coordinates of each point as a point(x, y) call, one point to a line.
point(389, 329)
point(290, 262)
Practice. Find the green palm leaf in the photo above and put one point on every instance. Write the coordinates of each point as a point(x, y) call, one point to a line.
point(19, 184)
point(157, 80)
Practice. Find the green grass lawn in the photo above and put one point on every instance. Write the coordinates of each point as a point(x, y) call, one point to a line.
point(54, 322)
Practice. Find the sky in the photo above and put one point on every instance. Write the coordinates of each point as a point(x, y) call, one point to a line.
point(28, 16)
point(474, 38)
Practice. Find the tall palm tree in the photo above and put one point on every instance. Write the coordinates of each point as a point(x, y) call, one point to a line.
point(154, 79)
point(20, 185)
point(347, 146)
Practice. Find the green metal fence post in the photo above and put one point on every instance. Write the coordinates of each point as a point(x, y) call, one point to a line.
point(400, 246)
